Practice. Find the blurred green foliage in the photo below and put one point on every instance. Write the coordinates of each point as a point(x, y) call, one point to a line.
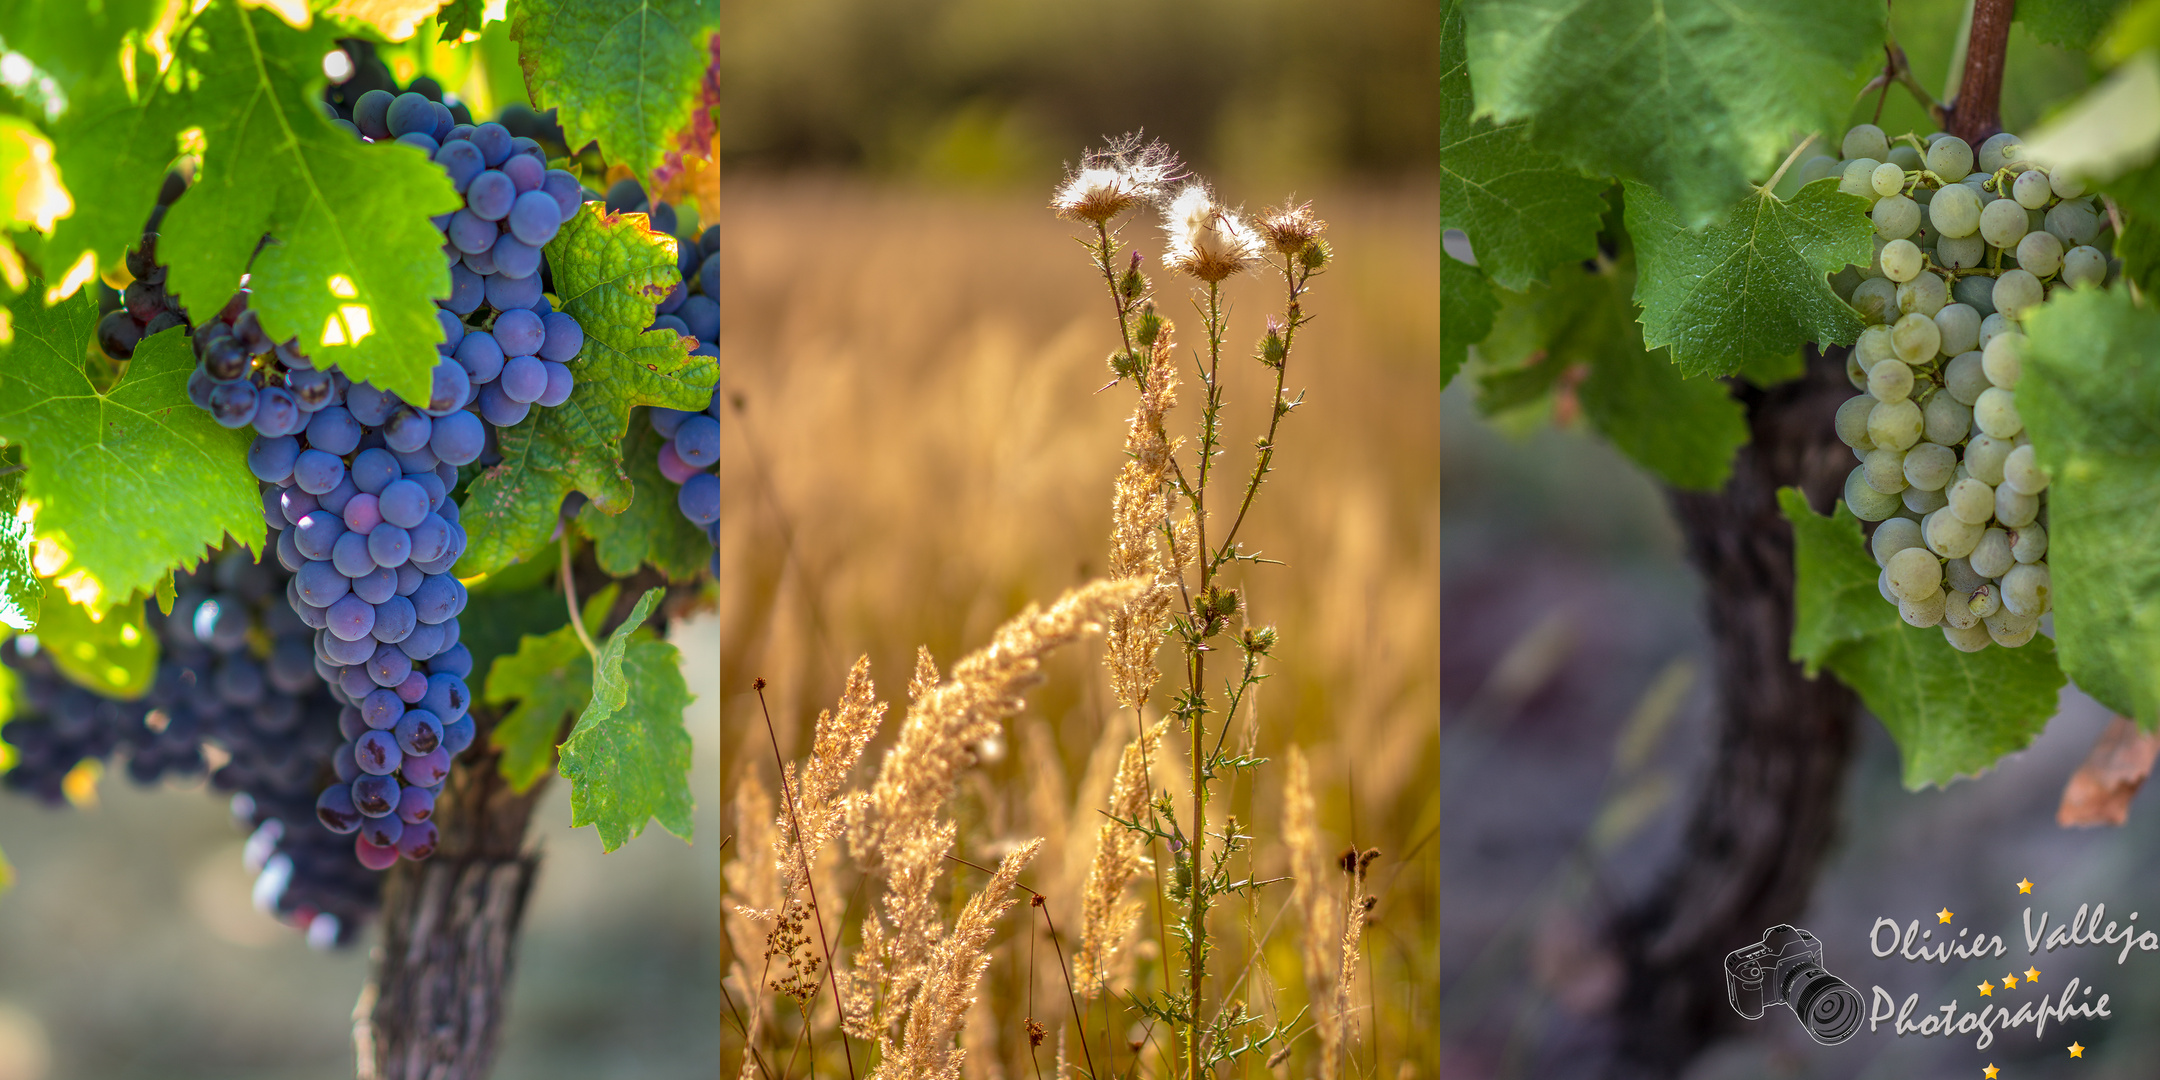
point(993, 92)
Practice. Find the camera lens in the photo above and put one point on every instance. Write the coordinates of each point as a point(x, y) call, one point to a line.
point(1827, 1006)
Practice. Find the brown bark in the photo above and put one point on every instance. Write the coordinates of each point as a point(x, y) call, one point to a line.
point(437, 992)
point(1767, 807)
point(1977, 112)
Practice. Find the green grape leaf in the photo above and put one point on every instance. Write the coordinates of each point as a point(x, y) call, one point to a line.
point(128, 483)
point(1835, 598)
point(500, 619)
point(653, 530)
point(1754, 287)
point(353, 265)
point(1684, 430)
point(1466, 313)
point(21, 593)
point(1692, 97)
point(610, 272)
point(1525, 210)
point(623, 72)
point(114, 655)
point(2091, 400)
point(628, 758)
point(2071, 24)
point(458, 16)
point(550, 679)
point(1769, 371)
point(1952, 713)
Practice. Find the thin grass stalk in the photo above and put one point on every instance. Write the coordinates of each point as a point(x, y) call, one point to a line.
point(787, 796)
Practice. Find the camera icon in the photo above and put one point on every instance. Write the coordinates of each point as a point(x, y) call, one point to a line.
point(1785, 968)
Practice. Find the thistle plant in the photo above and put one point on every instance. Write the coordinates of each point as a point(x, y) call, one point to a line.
point(1161, 523)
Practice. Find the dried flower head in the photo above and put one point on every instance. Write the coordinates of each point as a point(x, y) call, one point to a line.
point(1289, 228)
point(1124, 173)
point(1207, 240)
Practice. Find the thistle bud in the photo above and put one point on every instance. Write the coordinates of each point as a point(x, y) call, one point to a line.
point(1314, 255)
point(1272, 347)
point(1151, 326)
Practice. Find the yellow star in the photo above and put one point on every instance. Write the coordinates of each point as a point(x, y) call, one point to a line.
point(2024, 886)
point(2010, 982)
point(2032, 974)
point(2076, 1051)
point(1990, 1071)
point(1987, 989)
point(1943, 915)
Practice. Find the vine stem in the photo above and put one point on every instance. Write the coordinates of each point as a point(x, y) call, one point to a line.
point(1789, 159)
point(569, 590)
point(1976, 113)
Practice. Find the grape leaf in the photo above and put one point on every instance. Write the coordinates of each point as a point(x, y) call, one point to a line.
point(1952, 713)
point(21, 593)
point(128, 483)
point(353, 265)
point(1756, 286)
point(1466, 313)
point(1692, 97)
point(1525, 210)
point(628, 758)
point(623, 72)
point(1684, 430)
point(610, 271)
point(115, 656)
point(1835, 598)
point(550, 679)
point(458, 16)
point(653, 529)
point(2072, 24)
point(2091, 400)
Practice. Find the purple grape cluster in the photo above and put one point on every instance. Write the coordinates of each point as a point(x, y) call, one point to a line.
point(144, 307)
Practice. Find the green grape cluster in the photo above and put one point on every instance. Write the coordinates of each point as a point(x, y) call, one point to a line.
point(1965, 246)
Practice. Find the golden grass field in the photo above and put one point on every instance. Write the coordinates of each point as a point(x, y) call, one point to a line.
point(920, 451)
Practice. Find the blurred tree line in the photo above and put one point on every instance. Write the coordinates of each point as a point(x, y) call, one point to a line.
point(1003, 91)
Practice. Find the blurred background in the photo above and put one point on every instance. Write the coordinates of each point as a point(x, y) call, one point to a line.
point(917, 449)
point(1578, 717)
point(129, 947)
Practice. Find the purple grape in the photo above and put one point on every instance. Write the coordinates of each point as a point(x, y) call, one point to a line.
point(288, 552)
point(311, 389)
point(368, 406)
point(321, 585)
point(534, 217)
point(317, 472)
point(525, 172)
point(498, 408)
point(408, 579)
point(665, 420)
point(351, 618)
point(335, 809)
point(389, 545)
point(453, 331)
point(403, 503)
point(482, 358)
point(412, 689)
point(673, 300)
point(233, 404)
point(424, 641)
point(563, 337)
point(436, 600)
point(470, 232)
point(334, 430)
point(316, 535)
point(394, 619)
point(430, 538)
point(388, 666)
point(699, 499)
point(458, 438)
point(490, 195)
point(353, 721)
point(371, 114)
point(350, 556)
point(199, 385)
point(457, 735)
point(274, 507)
point(422, 460)
point(420, 141)
point(352, 677)
point(494, 142)
point(271, 459)
point(376, 586)
point(445, 120)
point(276, 413)
point(361, 516)
point(447, 696)
point(519, 332)
point(480, 262)
point(559, 384)
point(335, 499)
point(409, 112)
point(342, 763)
point(380, 710)
point(514, 257)
point(697, 441)
point(504, 293)
point(376, 795)
point(419, 732)
point(564, 189)
point(377, 753)
point(372, 856)
point(467, 289)
point(429, 769)
point(417, 805)
point(523, 380)
point(461, 159)
point(374, 469)
point(452, 387)
point(382, 832)
point(419, 839)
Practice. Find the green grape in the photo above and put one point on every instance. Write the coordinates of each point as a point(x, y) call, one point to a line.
point(1947, 536)
point(1890, 380)
point(1915, 338)
point(1949, 157)
point(1904, 157)
point(2004, 359)
point(1972, 501)
point(1924, 295)
point(1865, 141)
point(1995, 412)
point(1928, 466)
point(1866, 503)
point(1960, 327)
point(2003, 223)
point(2040, 253)
point(2074, 222)
point(1859, 178)
point(1958, 612)
point(2065, 185)
point(2083, 266)
point(1887, 179)
point(1896, 216)
point(1991, 556)
point(1996, 323)
point(1845, 281)
point(1984, 457)
point(1914, 573)
point(1885, 470)
point(1960, 253)
point(2000, 149)
point(1893, 536)
point(2014, 508)
point(1976, 292)
point(2009, 629)
point(1964, 378)
point(1924, 612)
point(1955, 211)
point(1901, 260)
point(2026, 589)
point(2028, 544)
point(2021, 470)
point(1922, 501)
point(1959, 574)
point(1895, 424)
point(1817, 167)
point(1966, 638)
point(1876, 303)
point(1855, 371)
point(1852, 422)
point(2031, 190)
point(1985, 601)
point(2015, 291)
point(1944, 420)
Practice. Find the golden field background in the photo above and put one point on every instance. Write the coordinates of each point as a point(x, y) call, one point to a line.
point(919, 451)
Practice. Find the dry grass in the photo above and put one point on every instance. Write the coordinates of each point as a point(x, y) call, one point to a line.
point(920, 452)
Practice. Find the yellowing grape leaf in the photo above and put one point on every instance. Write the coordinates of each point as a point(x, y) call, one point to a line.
point(623, 72)
point(128, 483)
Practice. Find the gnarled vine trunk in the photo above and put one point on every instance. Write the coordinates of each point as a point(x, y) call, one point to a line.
point(1766, 809)
point(439, 976)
